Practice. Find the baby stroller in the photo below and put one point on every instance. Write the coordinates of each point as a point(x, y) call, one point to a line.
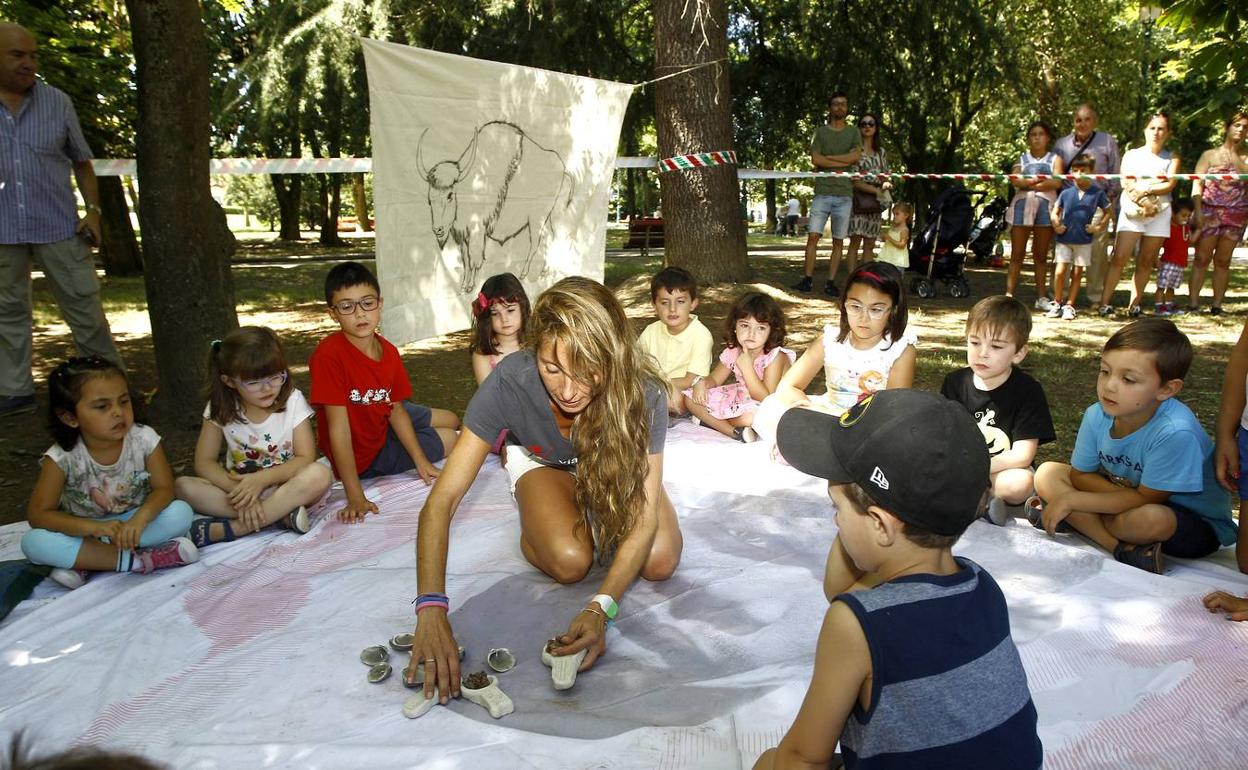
point(935, 254)
point(984, 237)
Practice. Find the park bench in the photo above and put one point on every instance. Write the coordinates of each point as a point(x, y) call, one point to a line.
point(644, 233)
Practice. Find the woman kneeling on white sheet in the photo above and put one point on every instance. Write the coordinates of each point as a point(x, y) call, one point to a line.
point(586, 416)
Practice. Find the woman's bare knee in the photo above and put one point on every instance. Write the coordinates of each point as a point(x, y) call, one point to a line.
point(662, 564)
point(566, 562)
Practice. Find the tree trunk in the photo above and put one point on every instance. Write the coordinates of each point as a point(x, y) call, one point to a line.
point(331, 206)
point(186, 242)
point(769, 199)
point(363, 223)
point(288, 189)
point(702, 224)
point(118, 248)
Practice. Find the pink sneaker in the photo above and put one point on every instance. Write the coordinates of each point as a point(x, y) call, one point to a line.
point(175, 553)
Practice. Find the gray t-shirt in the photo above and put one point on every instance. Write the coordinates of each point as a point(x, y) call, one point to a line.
point(514, 398)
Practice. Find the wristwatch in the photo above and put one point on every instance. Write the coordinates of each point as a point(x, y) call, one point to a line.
point(608, 605)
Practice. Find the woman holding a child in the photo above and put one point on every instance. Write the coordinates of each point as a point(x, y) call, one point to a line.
point(1221, 210)
point(1144, 219)
point(586, 416)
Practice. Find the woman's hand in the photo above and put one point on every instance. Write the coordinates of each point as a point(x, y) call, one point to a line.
point(588, 631)
point(436, 648)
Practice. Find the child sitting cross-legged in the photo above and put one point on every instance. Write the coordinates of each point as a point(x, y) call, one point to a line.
point(1009, 404)
point(263, 423)
point(1141, 480)
point(359, 386)
point(920, 670)
point(754, 357)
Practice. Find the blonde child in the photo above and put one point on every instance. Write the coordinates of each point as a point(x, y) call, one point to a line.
point(753, 335)
point(501, 310)
point(260, 418)
point(896, 248)
point(870, 351)
point(104, 499)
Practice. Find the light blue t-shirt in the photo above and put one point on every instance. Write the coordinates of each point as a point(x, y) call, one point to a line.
point(1170, 453)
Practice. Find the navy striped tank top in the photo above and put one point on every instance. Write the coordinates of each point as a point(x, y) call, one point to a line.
point(948, 689)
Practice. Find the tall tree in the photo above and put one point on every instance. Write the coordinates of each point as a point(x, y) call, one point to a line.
point(190, 293)
point(704, 231)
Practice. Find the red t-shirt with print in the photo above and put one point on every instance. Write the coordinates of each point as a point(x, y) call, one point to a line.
point(344, 376)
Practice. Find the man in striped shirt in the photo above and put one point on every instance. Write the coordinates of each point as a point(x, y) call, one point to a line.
point(40, 142)
point(919, 671)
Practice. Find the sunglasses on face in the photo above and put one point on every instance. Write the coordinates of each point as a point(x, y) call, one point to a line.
point(867, 124)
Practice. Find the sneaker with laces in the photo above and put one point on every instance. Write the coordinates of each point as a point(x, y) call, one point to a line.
point(1068, 312)
point(1054, 311)
point(1105, 311)
point(805, 285)
point(1135, 311)
point(1161, 309)
point(1044, 303)
point(70, 578)
point(1146, 557)
point(177, 552)
point(829, 288)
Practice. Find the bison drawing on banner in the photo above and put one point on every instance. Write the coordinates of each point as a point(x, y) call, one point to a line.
point(495, 201)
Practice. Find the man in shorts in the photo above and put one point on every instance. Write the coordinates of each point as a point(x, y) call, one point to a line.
point(835, 147)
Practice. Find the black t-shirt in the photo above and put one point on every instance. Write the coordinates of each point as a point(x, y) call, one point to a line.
point(1015, 411)
point(513, 397)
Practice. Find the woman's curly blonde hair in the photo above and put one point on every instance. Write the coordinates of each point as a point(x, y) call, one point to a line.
point(612, 434)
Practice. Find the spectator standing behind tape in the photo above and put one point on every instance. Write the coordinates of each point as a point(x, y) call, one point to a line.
point(1221, 211)
point(1145, 211)
point(1084, 139)
point(870, 195)
point(793, 212)
point(1029, 211)
point(40, 142)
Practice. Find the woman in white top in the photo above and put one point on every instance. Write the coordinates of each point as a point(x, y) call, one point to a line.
point(1145, 211)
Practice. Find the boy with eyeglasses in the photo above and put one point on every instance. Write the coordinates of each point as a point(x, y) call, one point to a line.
point(357, 379)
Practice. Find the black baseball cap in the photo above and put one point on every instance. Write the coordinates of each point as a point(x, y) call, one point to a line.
point(919, 455)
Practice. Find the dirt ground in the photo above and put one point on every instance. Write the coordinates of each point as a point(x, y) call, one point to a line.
point(441, 374)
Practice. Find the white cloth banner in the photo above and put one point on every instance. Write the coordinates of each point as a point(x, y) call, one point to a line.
point(483, 168)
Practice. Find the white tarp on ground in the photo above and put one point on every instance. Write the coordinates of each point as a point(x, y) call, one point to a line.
point(249, 658)
point(482, 168)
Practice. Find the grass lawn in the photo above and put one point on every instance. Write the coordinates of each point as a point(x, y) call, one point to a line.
point(274, 286)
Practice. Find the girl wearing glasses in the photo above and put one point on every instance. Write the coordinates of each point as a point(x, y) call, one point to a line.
point(260, 419)
point(869, 351)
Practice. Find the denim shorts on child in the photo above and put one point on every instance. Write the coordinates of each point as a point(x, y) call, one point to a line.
point(1079, 253)
point(1169, 276)
point(835, 207)
point(393, 458)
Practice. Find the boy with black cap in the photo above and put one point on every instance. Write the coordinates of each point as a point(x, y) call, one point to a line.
point(919, 671)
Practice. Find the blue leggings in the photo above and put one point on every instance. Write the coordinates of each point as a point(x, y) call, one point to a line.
point(57, 549)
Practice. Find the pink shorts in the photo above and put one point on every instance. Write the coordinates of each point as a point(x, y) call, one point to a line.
point(1223, 222)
